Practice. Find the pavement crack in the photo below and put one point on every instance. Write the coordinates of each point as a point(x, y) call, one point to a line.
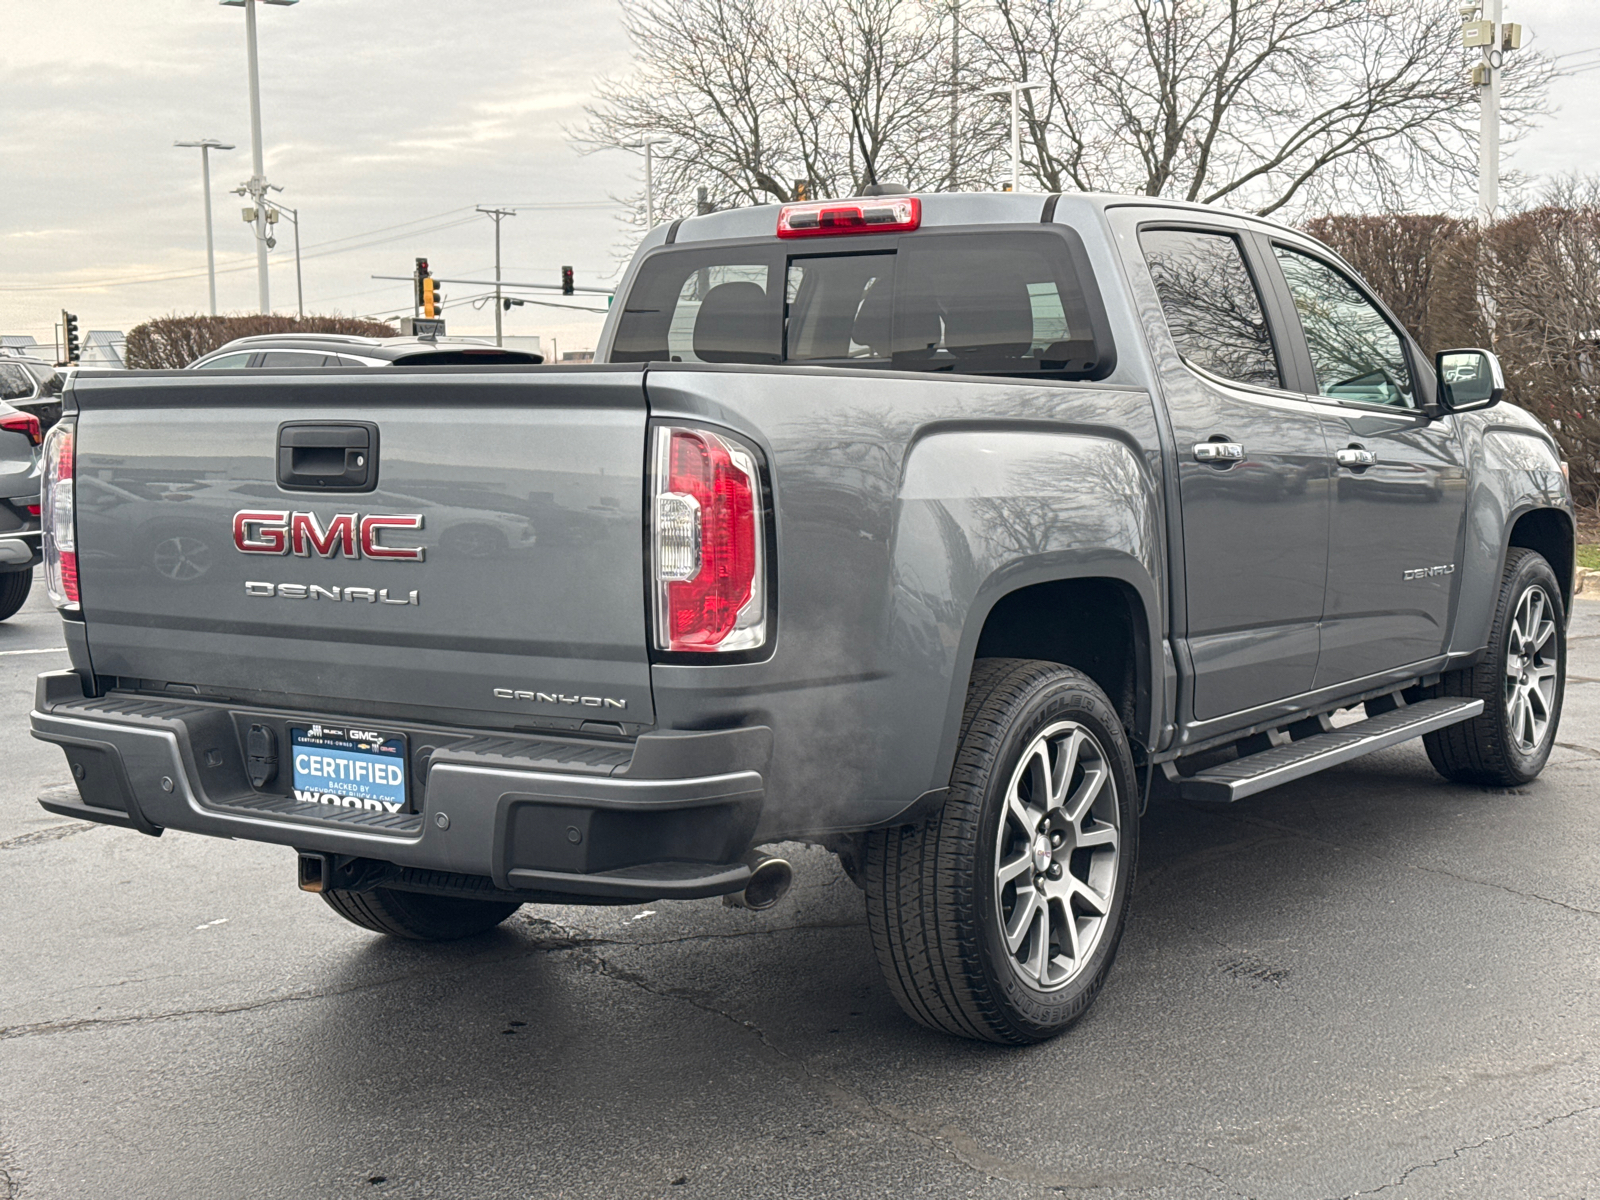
point(1578, 748)
point(1370, 853)
point(546, 938)
point(50, 833)
point(1535, 1127)
point(953, 1143)
point(727, 936)
point(562, 940)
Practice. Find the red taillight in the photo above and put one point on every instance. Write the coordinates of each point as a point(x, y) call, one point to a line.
point(33, 509)
point(59, 518)
point(887, 214)
point(707, 539)
point(23, 423)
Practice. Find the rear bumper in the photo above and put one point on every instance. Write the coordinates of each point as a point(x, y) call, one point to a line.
point(19, 550)
point(669, 816)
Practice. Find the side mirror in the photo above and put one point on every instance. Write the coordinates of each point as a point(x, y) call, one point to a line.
point(1469, 380)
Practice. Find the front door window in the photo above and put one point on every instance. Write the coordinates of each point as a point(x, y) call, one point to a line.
point(1357, 355)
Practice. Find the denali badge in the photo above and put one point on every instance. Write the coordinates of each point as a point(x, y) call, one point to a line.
point(315, 591)
point(559, 698)
point(274, 531)
point(1428, 572)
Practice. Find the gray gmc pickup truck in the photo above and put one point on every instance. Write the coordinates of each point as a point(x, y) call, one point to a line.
point(937, 530)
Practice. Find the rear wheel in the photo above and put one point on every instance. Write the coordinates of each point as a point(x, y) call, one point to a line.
point(14, 589)
point(1520, 681)
point(999, 918)
point(416, 915)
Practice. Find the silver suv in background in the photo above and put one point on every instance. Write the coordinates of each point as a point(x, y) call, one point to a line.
point(276, 351)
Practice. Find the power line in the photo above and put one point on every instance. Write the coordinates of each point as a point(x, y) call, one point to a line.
point(234, 265)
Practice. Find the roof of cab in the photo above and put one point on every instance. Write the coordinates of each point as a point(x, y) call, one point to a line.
point(938, 208)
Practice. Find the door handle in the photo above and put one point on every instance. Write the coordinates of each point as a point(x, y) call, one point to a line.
point(325, 456)
point(1210, 452)
point(1356, 457)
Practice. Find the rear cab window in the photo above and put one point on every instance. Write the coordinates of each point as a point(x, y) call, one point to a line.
point(1011, 302)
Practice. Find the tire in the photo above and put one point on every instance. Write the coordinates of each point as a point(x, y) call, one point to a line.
point(940, 895)
point(1510, 742)
point(416, 915)
point(14, 589)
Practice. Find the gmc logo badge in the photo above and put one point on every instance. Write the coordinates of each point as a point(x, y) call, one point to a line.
point(266, 531)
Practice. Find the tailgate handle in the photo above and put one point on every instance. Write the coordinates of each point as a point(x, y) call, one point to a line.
point(321, 456)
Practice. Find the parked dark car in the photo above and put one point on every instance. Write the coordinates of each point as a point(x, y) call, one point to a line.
point(277, 351)
point(20, 437)
point(32, 385)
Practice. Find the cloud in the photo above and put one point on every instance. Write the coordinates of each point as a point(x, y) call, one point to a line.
point(367, 124)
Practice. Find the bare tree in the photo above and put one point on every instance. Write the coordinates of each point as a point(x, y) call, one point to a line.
point(1272, 105)
point(761, 99)
point(1258, 104)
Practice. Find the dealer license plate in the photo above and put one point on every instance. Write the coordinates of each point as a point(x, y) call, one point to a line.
point(347, 766)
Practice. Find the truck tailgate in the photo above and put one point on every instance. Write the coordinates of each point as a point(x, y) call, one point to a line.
point(522, 489)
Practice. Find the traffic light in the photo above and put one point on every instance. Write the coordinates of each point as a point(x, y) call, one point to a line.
point(566, 281)
point(432, 297)
point(69, 335)
point(802, 189)
point(417, 277)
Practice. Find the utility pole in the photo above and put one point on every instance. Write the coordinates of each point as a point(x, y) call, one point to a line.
point(206, 146)
point(955, 87)
point(649, 177)
point(274, 208)
point(1015, 90)
point(1483, 29)
point(256, 188)
point(498, 214)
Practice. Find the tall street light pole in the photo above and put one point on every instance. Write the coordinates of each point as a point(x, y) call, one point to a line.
point(1015, 90)
point(1483, 29)
point(498, 215)
point(256, 188)
point(206, 146)
point(645, 144)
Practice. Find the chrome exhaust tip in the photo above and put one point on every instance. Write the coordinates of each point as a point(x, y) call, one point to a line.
point(770, 878)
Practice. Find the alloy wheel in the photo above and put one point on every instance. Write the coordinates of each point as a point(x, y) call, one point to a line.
point(1057, 855)
point(1530, 684)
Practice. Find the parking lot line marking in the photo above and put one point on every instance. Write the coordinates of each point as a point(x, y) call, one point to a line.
point(42, 650)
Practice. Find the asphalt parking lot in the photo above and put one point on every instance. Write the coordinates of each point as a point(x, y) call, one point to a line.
point(1370, 982)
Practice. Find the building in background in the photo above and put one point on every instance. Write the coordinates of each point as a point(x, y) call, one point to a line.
point(577, 356)
point(102, 348)
point(18, 343)
point(521, 342)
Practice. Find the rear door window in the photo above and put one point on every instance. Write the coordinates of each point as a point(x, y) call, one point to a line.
point(1211, 304)
point(290, 358)
point(15, 382)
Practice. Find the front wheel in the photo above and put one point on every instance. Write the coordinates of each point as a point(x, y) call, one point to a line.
point(1520, 680)
point(416, 915)
point(999, 917)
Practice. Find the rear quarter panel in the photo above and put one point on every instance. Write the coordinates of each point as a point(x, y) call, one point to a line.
point(905, 507)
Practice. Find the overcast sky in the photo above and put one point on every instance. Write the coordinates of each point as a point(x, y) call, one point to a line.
point(376, 116)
